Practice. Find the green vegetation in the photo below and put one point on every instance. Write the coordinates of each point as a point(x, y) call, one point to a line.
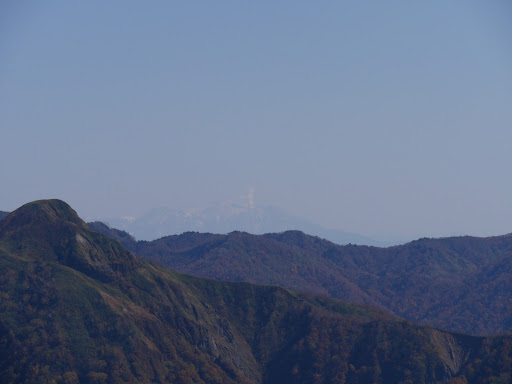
point(461, 284)
point(76, 307)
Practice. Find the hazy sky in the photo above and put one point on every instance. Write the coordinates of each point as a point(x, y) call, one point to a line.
point(387, 118)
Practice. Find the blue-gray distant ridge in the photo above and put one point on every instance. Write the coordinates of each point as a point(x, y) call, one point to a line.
point(227, 217)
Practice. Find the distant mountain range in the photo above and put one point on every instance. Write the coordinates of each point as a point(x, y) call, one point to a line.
point(460, 283)
point(77, 307)
point(227, 217)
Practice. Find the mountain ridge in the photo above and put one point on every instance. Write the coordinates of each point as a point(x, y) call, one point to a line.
point(226, 217)
point(50, 230)
point(150, 324)
point(430, 281)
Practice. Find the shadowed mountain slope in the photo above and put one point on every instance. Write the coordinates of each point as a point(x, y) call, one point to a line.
point(76, 307)
point(461, 283)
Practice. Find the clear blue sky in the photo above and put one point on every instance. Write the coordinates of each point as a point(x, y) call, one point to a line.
point(387, 118)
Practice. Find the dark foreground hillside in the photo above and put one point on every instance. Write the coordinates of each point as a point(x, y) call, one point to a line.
point(462, 283)
point(77, 307)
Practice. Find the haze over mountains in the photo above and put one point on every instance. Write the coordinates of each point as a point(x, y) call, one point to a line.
point(228, 216)
point(77, 307)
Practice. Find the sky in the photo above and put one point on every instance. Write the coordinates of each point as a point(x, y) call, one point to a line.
point(390, 119)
